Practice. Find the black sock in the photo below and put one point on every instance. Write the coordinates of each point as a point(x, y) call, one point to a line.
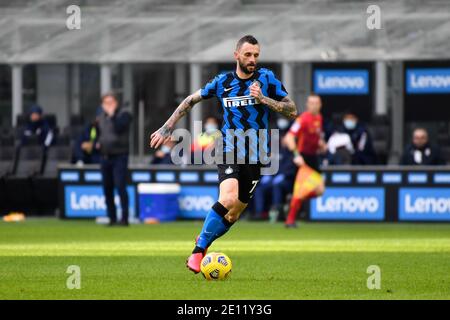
point(198, 250)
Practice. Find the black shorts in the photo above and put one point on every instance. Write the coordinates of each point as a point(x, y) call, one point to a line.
point(248, 176)
point(312, 161)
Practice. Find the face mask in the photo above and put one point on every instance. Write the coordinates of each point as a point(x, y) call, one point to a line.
point(350, 124)
point(210, 128)
point(165, 149)
point(282, 123)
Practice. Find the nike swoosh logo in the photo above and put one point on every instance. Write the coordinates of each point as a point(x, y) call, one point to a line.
point(227, 89)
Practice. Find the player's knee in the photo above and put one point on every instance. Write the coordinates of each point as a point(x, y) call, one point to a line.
point(234, 214)
point(229, 202)
point(232, 217)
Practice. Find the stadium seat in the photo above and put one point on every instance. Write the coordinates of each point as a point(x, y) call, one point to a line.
point(51, 120)
point(29, 160)
point(380, 119)
point(380, 136)
point(76, 120)
point(45, 186)
point(445, 153)
point(73, 131)
point(55, 155)
point(443, 135)
point(18, 131)
point(7, 155)
point(18, 185)
point(62, 139)
point(7, 137)
point(5, 121)
point(5, 128)
point(6, 132)
point(32, 141)
point(21, 120)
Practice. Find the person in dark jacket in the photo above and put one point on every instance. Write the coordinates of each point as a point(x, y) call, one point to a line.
point(364, 153)
point(162, 156)
point(37, 126)
point(114, 126)
point(270, 193)
point(85, 150)
point(420, 151)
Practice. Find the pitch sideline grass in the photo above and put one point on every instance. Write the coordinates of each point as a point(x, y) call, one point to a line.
point(316, 261)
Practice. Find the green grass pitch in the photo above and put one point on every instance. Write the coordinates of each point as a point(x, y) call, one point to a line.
point(315, 261)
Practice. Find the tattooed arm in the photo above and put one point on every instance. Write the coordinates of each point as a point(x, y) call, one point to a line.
point(286, 106)
point(163, 134)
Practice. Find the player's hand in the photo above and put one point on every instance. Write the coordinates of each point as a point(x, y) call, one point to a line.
point(299, 161)
point(87, 146)
point(255, 91)
point(109, 111)
point(160, 136)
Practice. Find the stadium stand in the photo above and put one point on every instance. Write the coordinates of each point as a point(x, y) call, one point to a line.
point(51, 120)
point(28, 173)
point(45, 184)
point(59, 153)
point(7, 155)
point(379, 128)
point(443, 140)
point(161, 33)
point(74, 129)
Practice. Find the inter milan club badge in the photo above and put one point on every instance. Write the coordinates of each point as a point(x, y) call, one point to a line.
point(229, 170)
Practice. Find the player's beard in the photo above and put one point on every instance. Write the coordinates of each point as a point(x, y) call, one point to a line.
point(244, 67)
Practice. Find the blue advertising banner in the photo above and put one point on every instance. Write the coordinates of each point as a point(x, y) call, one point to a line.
point(196, 201)
point(89, 201)
point(424, 204)
point(349, 204)
point(345, 82)
point(428, 80)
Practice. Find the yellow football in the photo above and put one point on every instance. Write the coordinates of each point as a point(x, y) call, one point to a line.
point(216, 266)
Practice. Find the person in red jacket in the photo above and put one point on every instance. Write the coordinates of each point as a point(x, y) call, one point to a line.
point(305, 140)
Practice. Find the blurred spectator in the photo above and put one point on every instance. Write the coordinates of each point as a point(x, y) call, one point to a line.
point(270, 194)
point(86, 150)
point(207, 138)
point(114, 124)
point(162, 156)
point(340, 149)
point(333, 124)
point(364, 152)
point(37, 126)
point(420, 151)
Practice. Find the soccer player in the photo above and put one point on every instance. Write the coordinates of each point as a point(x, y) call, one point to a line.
point(246, 95)
point(304, 139)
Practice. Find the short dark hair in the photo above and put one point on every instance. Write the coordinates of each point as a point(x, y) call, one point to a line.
point(211, 117)
point(248, 38)
point(109, 94)
point(349, 112)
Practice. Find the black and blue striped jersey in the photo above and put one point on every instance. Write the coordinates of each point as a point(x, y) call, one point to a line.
point(241, 112)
